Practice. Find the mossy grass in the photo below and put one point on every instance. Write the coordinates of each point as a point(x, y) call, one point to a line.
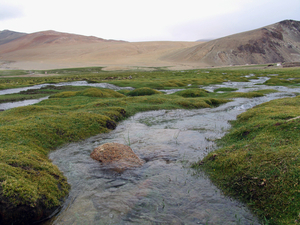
point(225, 89)
point(259, 161)
point(29, 133)
point(192, 93)
point(90, 92)
point(38, 93)
point(156, 79)
point(251, 94)
point(143, 91)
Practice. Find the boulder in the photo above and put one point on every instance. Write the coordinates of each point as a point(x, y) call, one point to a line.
point(116, 156)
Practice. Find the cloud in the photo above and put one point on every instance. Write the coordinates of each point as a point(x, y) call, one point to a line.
point(253, 15)
point(9, 11)
point(135, 20)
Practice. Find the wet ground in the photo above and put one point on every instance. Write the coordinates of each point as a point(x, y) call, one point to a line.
point(164, 190)
point(5, 106)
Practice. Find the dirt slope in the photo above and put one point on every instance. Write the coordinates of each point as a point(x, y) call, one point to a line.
point(279, 42)
point(51, 49)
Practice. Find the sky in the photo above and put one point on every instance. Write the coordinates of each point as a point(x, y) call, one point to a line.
point(144, 20)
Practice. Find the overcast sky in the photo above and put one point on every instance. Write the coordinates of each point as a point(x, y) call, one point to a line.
point(144, 20)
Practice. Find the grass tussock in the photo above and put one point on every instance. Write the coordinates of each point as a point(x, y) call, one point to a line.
point(29, 133)
point(225, 89)
point(90, 92)
point(192, 93)
point(277, 81)
point(143, 91)
point(259, 161)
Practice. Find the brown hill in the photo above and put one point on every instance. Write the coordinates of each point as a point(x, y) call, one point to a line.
point(7, 36)
point(279, 42)
point(50, 49)
point(46, 38)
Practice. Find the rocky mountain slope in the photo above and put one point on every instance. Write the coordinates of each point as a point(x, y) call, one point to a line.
point(7, 36)
point(279, 42)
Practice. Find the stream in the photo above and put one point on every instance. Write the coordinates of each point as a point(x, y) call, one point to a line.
point(165, 190)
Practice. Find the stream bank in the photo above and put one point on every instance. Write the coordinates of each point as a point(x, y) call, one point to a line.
point(164, 190)
point(174, 124)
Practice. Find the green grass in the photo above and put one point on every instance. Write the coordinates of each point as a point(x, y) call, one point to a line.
point(225, 89)
point(192, 93)
point(143, 91)
point(13, 72)
point(38, 93)
point(158, 79)
point(71, 114)
point(29, 133)
point(259, 161)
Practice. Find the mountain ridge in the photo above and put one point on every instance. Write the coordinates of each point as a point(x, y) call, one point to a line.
point(279, 42)
point(8, 35)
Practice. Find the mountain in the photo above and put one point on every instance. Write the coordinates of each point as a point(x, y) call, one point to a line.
point(7, 36)
point(279, 42)
point(46, 38)
point(51, 49)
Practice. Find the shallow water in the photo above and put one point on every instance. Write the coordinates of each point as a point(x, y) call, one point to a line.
point(164, 190)
point(9, 105)
point(75, 83)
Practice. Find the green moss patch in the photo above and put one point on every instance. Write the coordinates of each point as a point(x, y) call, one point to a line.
point(143, 91)
point(192, 93)
point(90, 92)
point(225, 89)
point(29, 133)
point(259, 162)
point(261, 151)
point(277, 81)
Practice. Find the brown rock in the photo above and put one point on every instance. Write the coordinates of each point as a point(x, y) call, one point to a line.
point(117, 156)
